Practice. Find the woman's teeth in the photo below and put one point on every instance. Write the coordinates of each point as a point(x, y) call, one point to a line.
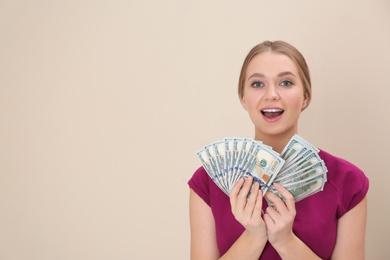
point(272, 112)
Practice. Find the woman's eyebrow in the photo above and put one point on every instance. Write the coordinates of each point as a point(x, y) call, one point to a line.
point(286, 73)
point(281, 74)
point(258, 75)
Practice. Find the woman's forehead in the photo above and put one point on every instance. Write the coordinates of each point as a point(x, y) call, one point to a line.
point(271, 64)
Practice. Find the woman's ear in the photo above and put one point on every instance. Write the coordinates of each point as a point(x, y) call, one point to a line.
point(242, 100)
point(305, 100)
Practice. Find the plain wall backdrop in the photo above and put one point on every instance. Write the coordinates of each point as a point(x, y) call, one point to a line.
point(103, 105)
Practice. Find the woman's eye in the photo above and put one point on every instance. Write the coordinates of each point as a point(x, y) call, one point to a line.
point(286, 83)
point(257, 84)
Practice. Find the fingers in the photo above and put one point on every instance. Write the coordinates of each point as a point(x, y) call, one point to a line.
point(269, 221)
point(246, 187)
point(252, 200)
point(276, 207)
point(258, 194)
point(279, 207)
point(246, 197)
point(288, 197)
point(235, 191)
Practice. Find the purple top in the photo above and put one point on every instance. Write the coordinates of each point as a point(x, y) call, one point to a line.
point(316, 219)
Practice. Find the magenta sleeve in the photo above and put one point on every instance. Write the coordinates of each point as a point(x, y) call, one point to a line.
point(356, 187)
point(199, 183)
point(348, 181)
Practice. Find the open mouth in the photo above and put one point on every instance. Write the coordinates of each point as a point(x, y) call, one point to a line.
point(272, 113)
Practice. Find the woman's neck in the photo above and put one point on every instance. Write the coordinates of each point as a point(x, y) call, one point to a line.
point(277, 142)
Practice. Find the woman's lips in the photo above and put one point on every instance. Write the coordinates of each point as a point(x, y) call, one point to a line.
point(272, 114)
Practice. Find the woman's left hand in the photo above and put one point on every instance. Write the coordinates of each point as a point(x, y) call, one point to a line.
point(279, 217)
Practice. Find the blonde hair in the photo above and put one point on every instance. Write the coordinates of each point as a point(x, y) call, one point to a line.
point(280, 47)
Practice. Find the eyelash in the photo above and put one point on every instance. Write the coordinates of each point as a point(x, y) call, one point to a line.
point(258, 84)
point(289, 83)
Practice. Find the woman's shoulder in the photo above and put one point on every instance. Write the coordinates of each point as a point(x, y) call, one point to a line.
point(346, 179)
point(199, 174)
point(342, 171)
point(342, 165)
point(204, 186)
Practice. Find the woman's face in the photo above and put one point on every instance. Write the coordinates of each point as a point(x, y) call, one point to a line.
point(273, 95)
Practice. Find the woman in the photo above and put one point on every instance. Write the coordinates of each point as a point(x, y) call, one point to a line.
point(274, 87)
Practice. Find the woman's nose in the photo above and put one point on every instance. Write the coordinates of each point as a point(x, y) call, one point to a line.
point(272, 94)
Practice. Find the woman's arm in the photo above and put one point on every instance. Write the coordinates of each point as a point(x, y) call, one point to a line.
point(351, 233)
point(279, 219)
point(203, 238)
point(203, 235)
point(351, 230)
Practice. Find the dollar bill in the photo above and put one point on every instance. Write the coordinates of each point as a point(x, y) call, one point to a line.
point(210, 167)
point(219, 153)
point(304, 188)
point(266, 167)
point(308, 159)
point(293, 147)
point(299, 168)
point(304, 174)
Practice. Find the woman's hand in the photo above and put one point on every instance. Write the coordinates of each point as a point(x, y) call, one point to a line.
point(279, 217)
point(248, 210)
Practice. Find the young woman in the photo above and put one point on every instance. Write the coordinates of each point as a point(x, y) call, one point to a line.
point(274, 88)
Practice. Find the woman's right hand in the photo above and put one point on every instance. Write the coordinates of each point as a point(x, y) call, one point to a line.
point(248, 210)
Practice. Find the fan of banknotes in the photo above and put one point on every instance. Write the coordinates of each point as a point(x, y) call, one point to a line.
point(298, 167)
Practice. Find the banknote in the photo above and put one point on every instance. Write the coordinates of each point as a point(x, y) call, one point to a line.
point(307, 159)
point(299, 168)
point(304, 188)
point(295, 146)
point(304, 174)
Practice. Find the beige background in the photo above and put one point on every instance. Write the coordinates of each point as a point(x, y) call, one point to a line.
point(103, 105)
